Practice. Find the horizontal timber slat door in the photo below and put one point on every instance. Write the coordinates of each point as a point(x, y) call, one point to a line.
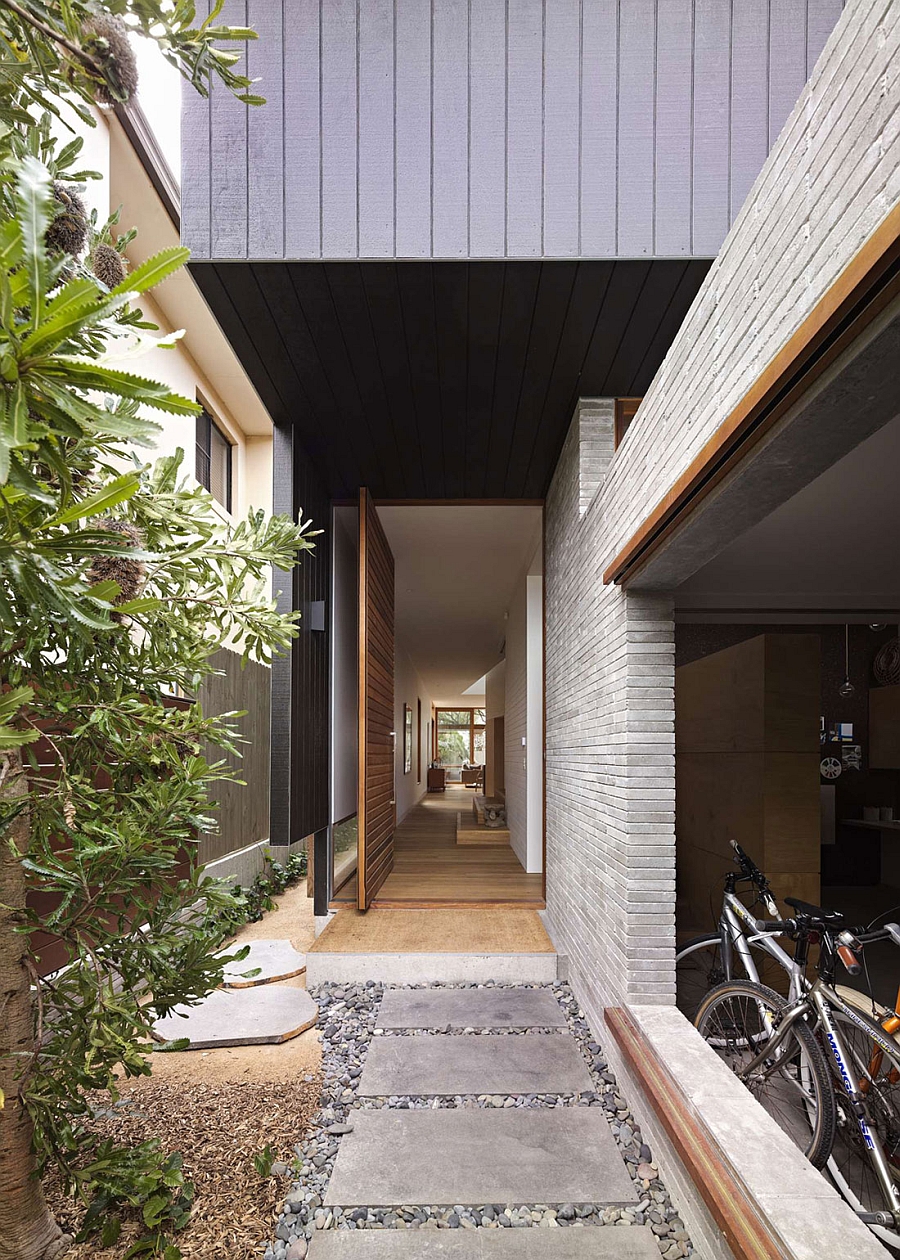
point(376, 804)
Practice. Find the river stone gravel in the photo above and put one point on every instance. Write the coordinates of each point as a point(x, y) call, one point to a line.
point(347, 1014)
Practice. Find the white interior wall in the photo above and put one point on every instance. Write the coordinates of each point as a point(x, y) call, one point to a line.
point(408, 689)
point(344, 665)
point(524, 718)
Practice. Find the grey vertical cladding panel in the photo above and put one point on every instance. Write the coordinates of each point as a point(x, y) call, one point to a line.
point(749, 97)
point(598, 190)
point(673, 175)
point(524, 140)
point(265, 131)
point(487, 129)
point(376, 128)
point(195, 163)
point(495, 128)
point(637, 122)
point(412, 51)
point(339, 128)
point(228, 235)
point(712, 41)
point(821, 18)
point(302, 130)
point(787, 60)
point(450, 129)
point(562, 131)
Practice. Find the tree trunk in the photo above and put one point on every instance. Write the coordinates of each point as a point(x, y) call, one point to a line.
point(27, 1228)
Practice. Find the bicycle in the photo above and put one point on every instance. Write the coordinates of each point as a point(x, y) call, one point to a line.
point(853, 1124)
point(707, 960)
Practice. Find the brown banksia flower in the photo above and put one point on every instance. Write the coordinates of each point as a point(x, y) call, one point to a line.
point(68, 233)
point(131, 574)
point(105, 39)
point(107, 265)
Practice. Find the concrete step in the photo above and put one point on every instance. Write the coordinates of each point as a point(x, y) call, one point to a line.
point(244, 1017)
point(430, 968)
point(273, 960)
point(469, 1008)
point(479, 1155)
point(588, 1243)
point(539, 1063)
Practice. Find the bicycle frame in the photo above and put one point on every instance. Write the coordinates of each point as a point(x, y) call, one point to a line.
point(737, 930)
point(819, 999)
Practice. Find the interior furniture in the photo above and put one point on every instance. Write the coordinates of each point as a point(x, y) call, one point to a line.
point(437, 779)
point(884, 728)
point(474, 777)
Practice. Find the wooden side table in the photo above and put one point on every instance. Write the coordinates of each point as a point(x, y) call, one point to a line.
point(437, 779)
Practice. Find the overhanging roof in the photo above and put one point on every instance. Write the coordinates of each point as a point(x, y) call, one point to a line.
point(445, 380)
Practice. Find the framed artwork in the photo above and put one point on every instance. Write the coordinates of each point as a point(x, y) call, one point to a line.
point(407, 738)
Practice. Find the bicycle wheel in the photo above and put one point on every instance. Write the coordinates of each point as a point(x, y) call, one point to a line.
point(878, 1077)
point(793, 1085)
point(699, 968)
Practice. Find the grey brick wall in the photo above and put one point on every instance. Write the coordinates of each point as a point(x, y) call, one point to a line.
point(831, 178)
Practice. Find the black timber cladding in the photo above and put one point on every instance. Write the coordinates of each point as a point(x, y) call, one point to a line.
point(300, 683)
point(444, 380)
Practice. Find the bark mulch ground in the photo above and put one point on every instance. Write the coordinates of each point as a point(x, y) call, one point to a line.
point(218, 1128)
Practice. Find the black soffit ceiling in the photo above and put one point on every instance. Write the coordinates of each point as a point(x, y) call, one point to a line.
point(445, 380)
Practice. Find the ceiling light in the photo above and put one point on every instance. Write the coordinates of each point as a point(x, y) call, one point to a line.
point(846, 688)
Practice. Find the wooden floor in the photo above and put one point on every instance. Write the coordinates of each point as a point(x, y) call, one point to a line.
point(431, 869)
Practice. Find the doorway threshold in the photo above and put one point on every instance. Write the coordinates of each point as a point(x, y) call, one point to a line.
point(442, 945)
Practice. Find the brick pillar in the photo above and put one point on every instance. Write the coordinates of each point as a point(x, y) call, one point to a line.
point(610, 744)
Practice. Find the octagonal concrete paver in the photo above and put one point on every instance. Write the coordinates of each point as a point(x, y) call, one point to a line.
point(472, 1063)
point(245, 1017)
point(589, 1243)
point(470, 1008)
point(444, 1156)
point(275, 960)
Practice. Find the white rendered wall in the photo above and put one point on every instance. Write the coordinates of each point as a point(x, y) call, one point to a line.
point(523, 726)
point(408, 689)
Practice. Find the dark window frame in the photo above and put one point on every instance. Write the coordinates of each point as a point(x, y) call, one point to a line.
point(206, 426)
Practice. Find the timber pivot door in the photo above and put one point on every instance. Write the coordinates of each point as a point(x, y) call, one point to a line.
point(376, 805)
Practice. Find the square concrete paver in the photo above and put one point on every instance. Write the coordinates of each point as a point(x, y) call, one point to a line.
point(479, 1155)
point(242, 1017)
point(470, 1008)
point(536, 1063)
point(589, 1243)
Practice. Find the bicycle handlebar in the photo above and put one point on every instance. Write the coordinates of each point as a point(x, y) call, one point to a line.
point(776, 925)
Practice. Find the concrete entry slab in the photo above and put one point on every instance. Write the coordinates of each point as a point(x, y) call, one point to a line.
point(249, 1017)
point(589, 1243)
point(470, 1008)
point(547, 1063)
point(479, 1155)
point(275, 960)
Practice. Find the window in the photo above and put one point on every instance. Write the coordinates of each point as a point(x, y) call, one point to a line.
point(213, 459)
point(459, 737)
point(625, 412)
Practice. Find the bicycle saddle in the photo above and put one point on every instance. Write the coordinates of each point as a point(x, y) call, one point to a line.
point(831, 918)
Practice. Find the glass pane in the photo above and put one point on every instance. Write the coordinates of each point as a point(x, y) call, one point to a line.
point(478, 715)
point(448, 718)
point(453, 747)
point(345, 837)
point(479, 747)
point(219, 468)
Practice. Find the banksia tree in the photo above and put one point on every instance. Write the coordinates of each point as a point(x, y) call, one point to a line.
point(115, 589)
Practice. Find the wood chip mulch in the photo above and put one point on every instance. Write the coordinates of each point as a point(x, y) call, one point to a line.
point(218, 1128)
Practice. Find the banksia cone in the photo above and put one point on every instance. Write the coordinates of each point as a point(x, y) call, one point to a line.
point(105, 39)
point(130, 574)
point(107, 265)
point(68, 233)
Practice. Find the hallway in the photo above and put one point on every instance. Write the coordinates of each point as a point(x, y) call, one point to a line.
point(430, 868)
